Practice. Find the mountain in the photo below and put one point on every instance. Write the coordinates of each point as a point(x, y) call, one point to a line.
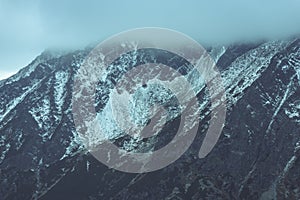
point(256, 157)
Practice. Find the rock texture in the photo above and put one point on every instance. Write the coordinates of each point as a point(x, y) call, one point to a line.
point(256, 157)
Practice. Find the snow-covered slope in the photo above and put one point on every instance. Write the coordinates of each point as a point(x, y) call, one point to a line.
point(41, 155)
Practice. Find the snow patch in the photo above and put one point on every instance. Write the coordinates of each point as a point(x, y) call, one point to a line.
point(17, 101)
point(41, 113)
point(61, 79)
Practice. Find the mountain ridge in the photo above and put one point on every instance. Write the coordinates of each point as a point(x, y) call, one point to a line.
point(42, 153)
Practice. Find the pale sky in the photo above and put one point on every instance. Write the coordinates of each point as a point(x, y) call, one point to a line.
point(28, 27)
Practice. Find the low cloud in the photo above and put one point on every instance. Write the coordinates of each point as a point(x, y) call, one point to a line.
point(28, 27)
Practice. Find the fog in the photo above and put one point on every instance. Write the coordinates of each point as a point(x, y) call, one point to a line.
point(28, 27)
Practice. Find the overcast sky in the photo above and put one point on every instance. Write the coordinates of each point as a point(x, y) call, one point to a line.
point(27, 27)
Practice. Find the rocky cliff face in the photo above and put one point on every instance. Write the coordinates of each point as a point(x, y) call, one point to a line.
point(256, 157)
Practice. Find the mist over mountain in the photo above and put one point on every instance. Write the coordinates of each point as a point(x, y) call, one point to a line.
point(29, 27)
